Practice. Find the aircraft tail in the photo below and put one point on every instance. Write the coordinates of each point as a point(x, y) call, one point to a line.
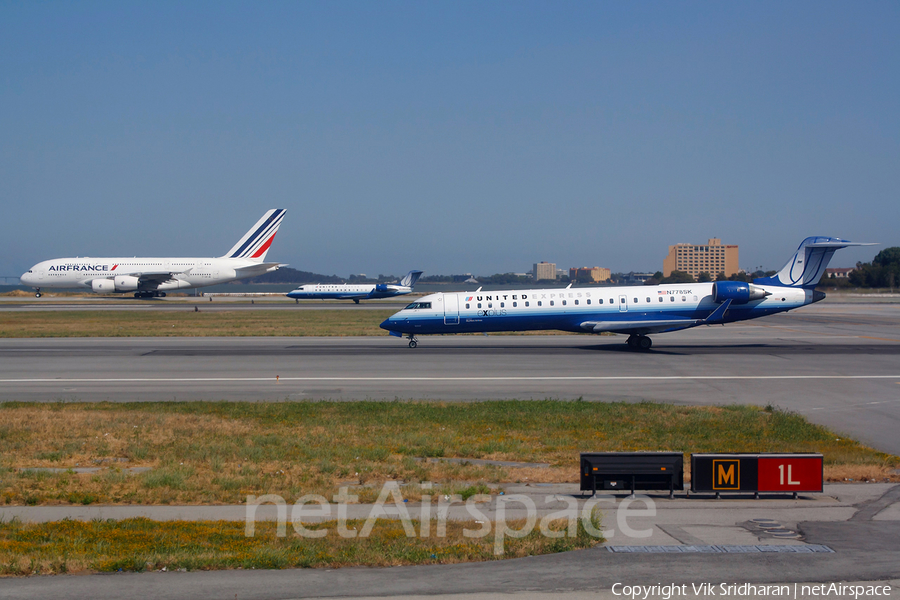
point(255, 243)
point(808, 264)
point(411, 278)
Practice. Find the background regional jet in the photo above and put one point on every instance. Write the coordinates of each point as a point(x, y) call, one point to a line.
point(636, 311)
point(355, 292)
point(148, 277)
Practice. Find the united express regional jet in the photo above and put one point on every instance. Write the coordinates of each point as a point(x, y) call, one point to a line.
point(148, 277)
point(636, 311)
point(325, 291)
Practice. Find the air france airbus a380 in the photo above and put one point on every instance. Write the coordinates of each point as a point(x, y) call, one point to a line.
point(355, 292)
point(148, 277)
point(636, 311)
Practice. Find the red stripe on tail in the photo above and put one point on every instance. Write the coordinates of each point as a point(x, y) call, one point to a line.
point(263, 248)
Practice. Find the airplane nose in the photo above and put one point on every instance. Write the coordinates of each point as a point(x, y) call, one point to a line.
point(386, 324)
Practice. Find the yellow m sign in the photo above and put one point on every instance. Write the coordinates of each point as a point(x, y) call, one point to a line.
point(726, 474)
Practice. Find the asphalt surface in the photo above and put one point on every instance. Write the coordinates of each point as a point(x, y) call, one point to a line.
point(849, 533)
point(839, 365)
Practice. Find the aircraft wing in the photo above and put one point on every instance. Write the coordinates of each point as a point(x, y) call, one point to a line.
point(156, 277)
point(655, 326)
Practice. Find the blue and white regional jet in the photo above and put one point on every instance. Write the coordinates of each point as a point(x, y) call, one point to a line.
point(355, 292)
point(636, 311)
point(149, 277)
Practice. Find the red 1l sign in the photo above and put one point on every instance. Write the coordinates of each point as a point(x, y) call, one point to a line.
point(787, 473)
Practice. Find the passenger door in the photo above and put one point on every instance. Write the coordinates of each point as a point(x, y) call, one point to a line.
point(451, 309)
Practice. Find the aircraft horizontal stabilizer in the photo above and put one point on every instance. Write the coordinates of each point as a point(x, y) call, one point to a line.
point(259, 268)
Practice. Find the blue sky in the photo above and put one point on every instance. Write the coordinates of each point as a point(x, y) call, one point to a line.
point(448, 136)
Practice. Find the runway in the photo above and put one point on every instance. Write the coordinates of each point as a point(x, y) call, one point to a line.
point(837, 364)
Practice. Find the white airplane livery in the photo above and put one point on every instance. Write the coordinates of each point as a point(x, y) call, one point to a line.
point(149, 277)
point(326, 291)
point(635, 310)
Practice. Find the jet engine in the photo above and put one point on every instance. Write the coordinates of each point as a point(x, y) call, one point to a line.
point(382, 287)
point(103, 286)
point(126, 283)
point(738, 292)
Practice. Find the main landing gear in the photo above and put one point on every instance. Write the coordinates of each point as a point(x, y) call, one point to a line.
point(413, 342)
point(639, 342)
point(149, 294)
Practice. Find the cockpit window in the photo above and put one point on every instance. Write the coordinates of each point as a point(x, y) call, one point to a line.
point(419, 305)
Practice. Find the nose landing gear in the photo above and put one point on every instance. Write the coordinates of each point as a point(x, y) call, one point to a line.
point(413, 342)
point(639, 342)
point(37, 292)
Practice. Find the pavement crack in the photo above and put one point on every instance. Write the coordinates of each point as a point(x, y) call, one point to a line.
point(868, 509)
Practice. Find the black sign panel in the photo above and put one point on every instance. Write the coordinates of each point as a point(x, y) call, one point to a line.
point(724, 472)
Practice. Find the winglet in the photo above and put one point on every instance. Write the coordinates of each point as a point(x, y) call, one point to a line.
point(718, 314)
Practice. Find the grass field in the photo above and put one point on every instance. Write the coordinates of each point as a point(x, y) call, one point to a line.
point(187, 323)
point(205, 452)
point(144, 545)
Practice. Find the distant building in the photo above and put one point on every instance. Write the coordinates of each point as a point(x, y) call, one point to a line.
point(595, 274)
point(712, 257)
point(839, 273)
point(544, 270)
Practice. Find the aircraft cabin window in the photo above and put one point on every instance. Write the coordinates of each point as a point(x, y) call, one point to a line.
point(589, 301)
point(527, 304)
point(660, 298)
point(490, 305)
point(502, 304)
point(576, 302)
point(648, 299)
point(540, 303)
point(551, 303)
point(635, 300)
point(612, 301)
point(467, 305)
point(672, 298)
point(515, 304)
point(479, 305)
point(684, 298)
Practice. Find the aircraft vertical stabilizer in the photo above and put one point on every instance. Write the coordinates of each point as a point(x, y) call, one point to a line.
point(808, 264)
point(255, 243)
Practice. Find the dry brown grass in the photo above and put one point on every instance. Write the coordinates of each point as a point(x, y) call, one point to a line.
point(144, 545)
point(221, 452)
point(187, 323)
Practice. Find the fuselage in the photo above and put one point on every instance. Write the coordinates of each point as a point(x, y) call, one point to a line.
point(620, 309)
point(122, 274)
point(326, 291)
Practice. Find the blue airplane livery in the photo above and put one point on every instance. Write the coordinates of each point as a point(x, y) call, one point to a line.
point(634, 310)
point(355, 292)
